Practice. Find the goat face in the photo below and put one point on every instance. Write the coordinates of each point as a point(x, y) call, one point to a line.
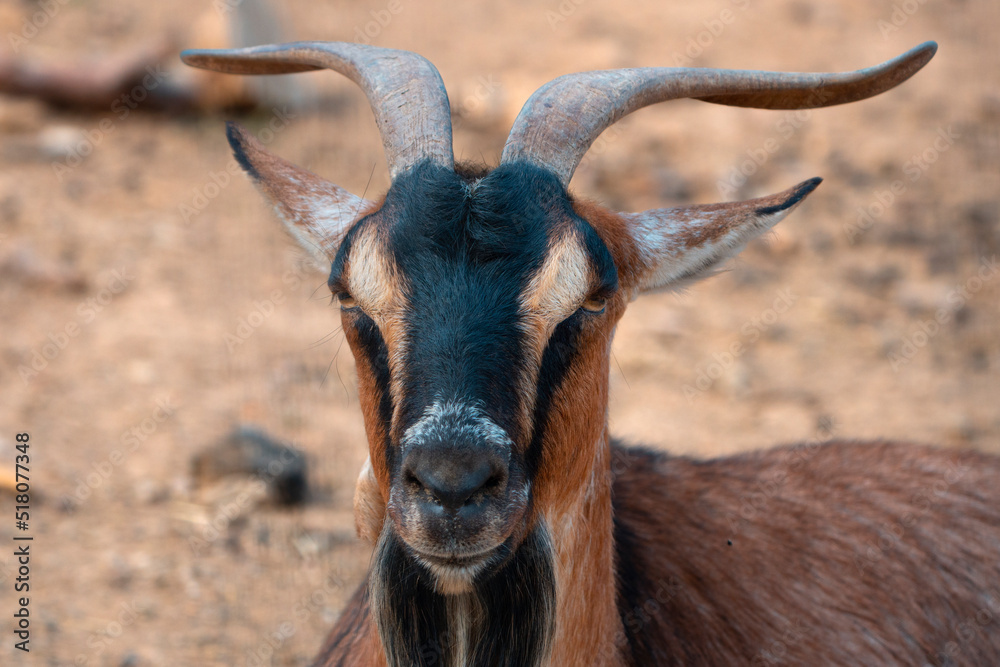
point(467, 299)
point(480, 308)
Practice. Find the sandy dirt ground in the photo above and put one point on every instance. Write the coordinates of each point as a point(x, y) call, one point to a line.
point(148, 301)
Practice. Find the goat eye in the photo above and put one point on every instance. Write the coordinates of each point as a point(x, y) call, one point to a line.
point(347, 302)
point(594, 304)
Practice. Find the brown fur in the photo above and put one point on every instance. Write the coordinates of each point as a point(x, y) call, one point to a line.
point(573, 494)
point(369, 396)
point(353, 642)
point(846, 553)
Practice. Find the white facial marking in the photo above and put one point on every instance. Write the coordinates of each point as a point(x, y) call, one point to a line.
point(454, 579)
point(377, 288)
point(464, 612)
point(372, 281)
point(561, 285)
point(453, 419)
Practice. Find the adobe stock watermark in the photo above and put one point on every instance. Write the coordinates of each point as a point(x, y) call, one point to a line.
point(122, 107)
point(233, 509)
point(130, 440)
point(984, 621)
point(921, 335)
point(485, 88)
point(32, 25)
point(892, 532)
point(898, 17)
point(381, 18)
point(753, 504)
point(750, 333)
point(784, 129)
point(217, 181)
point(699, 42)
point(247, 325)
point(913, 170)
point(302, 610)
point(641, 615)
point(562, 12)
point(262, 311)
point(776, 652)
point(86, 311)
point(661, 592)
point(606, 139)
point(99, 642)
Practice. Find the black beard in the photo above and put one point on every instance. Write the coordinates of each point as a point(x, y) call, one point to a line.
point(507, 619)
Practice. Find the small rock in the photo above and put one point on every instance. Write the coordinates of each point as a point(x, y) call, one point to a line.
point(250, 451)
point(307, 546)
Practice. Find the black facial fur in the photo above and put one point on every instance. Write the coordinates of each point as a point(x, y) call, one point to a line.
point(467, 251)
point(375, 350)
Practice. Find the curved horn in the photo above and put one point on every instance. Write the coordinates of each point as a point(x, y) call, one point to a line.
point(404, 90)
point(562, 119)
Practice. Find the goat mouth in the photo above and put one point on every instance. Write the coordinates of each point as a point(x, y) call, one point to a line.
point(453, 560)
point(454, 574)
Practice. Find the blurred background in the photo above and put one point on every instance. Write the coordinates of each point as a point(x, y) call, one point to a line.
point(149, 304)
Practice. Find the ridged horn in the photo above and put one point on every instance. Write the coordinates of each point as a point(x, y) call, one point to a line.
point(562, 119)
point(404, 90)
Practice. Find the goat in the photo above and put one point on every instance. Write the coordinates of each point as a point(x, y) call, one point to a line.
point(508, 527)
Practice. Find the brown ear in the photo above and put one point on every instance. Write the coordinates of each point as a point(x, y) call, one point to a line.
point(679, 246)
point(316, 212)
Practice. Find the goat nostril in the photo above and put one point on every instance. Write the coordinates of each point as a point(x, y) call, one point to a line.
point(494, 483)
point(419, 488)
